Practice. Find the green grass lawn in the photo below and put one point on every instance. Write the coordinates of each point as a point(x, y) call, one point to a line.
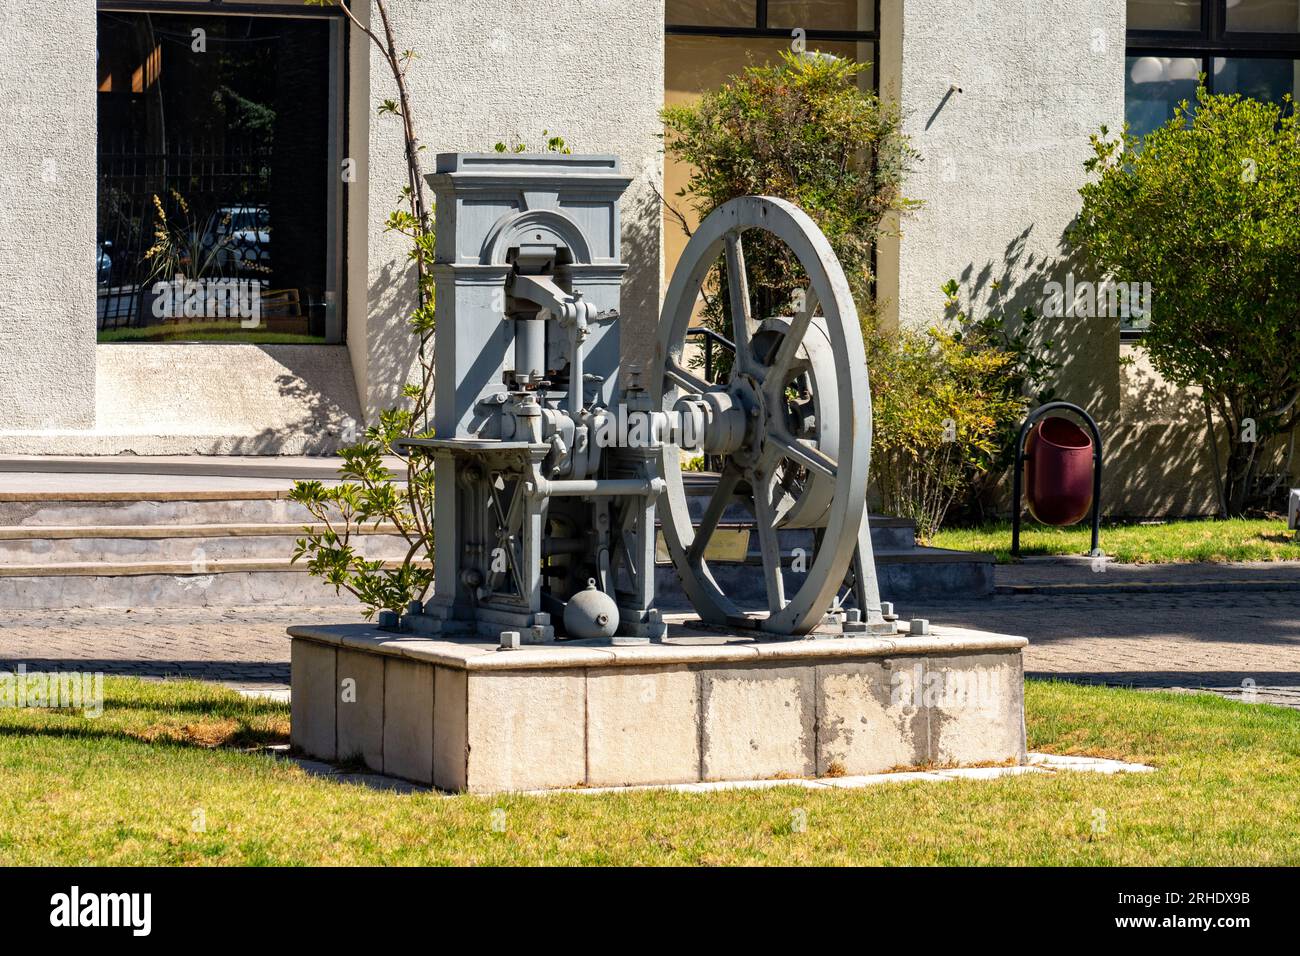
point(205, 332)
point(124, 789)
point(1132, 543)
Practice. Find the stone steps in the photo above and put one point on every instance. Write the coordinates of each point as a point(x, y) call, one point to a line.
point(165, 535)
point(133, 537)
point(161, 585)
point(117, 509)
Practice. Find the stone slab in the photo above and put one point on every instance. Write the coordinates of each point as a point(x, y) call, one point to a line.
point(450, 729)
point(408, 720)
point(757, 722)
point(642, 726)
point(864, 724)
point(312, 705)
point(527, 730)
point(478, 654)
point(976, 708)
point(360, 708)
point(705, 710)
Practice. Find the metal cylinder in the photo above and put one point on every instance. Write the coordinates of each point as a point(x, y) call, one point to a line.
point(530, 349)
point(611, 487)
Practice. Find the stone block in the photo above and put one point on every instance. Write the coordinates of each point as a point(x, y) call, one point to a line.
point(311, 707)
point(976, 707)
point(758, 722)
point(642, 726)
point(408, 720)
point(450, 728)
point(526, 729)
point(360, 707)
point(866, 722)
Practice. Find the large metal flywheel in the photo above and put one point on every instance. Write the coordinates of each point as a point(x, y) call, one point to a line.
point(791, 425)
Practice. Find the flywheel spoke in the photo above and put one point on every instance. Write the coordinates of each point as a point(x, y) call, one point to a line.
point(768, 541)
point(713, 513)
point(775, 377)
point(804, 454)
point(685, 379)
point(738, 291)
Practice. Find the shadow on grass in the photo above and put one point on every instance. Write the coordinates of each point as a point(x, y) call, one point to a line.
point(186, 713)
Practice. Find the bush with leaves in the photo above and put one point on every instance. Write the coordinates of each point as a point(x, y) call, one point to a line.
point(1207, 209)
point(1027, 373)
point(804, 131)
point(942, 402)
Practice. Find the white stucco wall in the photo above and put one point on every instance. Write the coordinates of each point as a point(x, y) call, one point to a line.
point(1001, 161)
point(1000, 170)
point(209, 399)
point(47, 214)
point(500, 70)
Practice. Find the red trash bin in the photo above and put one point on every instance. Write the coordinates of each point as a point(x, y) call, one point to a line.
point(1058, 472)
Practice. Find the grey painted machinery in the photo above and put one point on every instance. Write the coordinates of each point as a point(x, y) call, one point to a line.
point(551, 458)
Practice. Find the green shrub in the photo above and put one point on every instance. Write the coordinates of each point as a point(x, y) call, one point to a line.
point(1207, 209)
point(942, 403)
point(801, 130)
point(1027, 373)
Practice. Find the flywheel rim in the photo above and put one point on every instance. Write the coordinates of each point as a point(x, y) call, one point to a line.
point(723, 230)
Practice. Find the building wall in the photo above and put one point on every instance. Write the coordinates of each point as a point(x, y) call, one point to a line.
point(47, 215)
point(1001, 166)
point(490, 70)
point(505, 70)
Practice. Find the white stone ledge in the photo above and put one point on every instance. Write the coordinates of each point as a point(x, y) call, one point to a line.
point(478, 655)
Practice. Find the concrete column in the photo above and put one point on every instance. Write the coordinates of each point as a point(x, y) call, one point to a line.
point(47, 215)
point(1002, 160)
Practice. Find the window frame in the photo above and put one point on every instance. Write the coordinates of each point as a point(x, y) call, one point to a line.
point(763, 30)
point(336, 272)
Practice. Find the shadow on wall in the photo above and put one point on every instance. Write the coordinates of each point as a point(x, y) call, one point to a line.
point(323, 415)
point(331, 414)
point(642, 236)
point(219, 399)
point(1157, 460)
point(393, 350)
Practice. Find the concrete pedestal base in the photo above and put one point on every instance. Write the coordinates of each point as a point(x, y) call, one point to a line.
point(463, 715)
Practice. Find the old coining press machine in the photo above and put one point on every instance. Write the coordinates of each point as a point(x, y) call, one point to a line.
point(553, 461)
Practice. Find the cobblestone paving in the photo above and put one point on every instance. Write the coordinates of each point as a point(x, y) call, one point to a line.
point(241, 646)
point(1146, 640)
point(1223, 641)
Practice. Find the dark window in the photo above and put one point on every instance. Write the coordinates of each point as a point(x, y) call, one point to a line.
point(1251, 47)
point(220, 176)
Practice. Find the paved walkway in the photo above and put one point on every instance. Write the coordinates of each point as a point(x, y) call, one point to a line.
point(1153, 638)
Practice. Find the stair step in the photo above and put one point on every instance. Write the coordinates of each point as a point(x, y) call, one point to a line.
point(114, 509)
point(146, 532)
point(250, 467)
point(115, 569)
point(136, 590)
point(167, 585)
point(38, 546)
point(904, 576)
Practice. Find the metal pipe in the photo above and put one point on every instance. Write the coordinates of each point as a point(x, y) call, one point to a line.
point(611, 487)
